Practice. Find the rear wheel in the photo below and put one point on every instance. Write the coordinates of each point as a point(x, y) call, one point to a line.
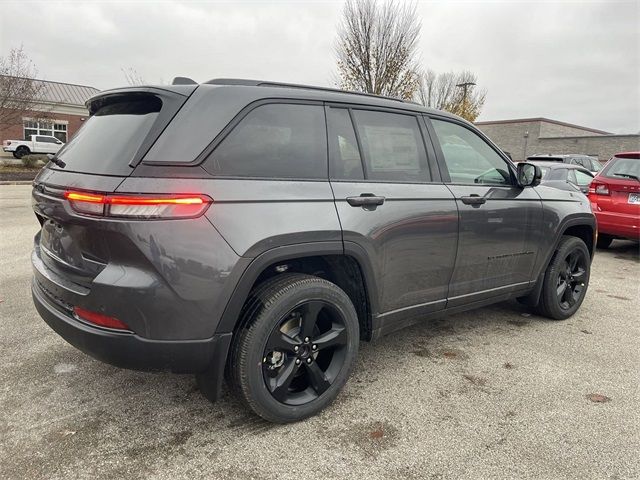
point(297, 348)
point(566, 279)
point(21, 152)
point(604, 241)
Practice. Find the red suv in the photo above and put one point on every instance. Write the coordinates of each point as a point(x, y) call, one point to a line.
point(615, 198)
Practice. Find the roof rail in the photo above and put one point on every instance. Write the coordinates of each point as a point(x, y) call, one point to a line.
point(261, 83)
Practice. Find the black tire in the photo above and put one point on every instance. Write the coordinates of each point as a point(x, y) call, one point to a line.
point(274, 382)
point(604, 241)
point(21, 152)
point(15, 155)
point(566, 279)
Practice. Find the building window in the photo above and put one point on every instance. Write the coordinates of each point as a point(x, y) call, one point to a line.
point(52, 129)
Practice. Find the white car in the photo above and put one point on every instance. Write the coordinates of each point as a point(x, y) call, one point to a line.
point(37, 144)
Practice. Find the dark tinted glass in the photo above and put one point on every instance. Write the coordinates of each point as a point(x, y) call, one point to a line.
point(110, 138)
point(393, 146)
point(46, 140)
point(274, 141)
point(468, 157)
point(343, 147)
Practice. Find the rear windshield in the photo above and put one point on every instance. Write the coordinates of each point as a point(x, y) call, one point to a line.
point(628, 168)
point(110, 138)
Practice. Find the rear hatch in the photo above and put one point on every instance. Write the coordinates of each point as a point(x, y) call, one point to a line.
point(122, 126)
point(616, 188)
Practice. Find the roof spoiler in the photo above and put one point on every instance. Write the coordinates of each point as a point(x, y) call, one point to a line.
point(183, 81)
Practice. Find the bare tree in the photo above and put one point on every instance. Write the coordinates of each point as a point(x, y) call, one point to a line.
point(376, 48)
point(132, 76)
point(446, 91)
point(20, 92)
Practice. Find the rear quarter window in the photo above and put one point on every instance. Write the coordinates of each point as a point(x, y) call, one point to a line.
point(274, 141)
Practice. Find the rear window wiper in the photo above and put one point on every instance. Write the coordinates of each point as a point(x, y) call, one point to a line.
point(56, 160)
point(627, 175)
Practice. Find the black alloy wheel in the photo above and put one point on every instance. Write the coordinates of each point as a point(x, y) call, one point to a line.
point(296, 348)
point(566, 279)
point(304, 353)
point(570, 284)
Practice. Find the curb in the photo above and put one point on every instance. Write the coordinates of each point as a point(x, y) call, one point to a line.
point(16, 182)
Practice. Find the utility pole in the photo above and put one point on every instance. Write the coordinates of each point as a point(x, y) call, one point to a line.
point(464, 87)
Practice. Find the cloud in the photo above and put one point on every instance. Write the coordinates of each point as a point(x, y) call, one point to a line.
point(572, 61)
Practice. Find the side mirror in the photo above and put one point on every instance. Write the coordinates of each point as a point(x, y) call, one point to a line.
point(529, 175)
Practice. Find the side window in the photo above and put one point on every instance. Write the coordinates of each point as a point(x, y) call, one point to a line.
point(274, 141)
point(583, 178)
point(468, 157)
point(571, 177)
point(578, 161)
point(345, 161)
point(393, 146)
point(47, 140)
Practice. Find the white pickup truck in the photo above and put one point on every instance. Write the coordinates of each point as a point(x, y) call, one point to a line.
point(37, 144)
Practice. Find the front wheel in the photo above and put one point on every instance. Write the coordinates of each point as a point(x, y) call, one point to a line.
point(566, 279)
point(297, 348)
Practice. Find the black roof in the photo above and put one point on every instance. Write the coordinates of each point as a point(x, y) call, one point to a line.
point(257, 89)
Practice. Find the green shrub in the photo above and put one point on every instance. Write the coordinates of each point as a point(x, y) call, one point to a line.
point(30, 161)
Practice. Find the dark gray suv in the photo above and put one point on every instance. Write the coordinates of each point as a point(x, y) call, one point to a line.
point(262, 230)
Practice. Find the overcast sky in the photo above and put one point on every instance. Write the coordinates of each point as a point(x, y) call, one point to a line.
point(575, 61)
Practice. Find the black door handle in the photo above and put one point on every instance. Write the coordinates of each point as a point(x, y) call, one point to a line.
point(473, 199)
point(365, 200)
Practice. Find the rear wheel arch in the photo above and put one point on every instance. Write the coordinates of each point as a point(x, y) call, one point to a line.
point(325, 260)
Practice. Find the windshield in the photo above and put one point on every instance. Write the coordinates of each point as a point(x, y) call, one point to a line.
point(110, 138)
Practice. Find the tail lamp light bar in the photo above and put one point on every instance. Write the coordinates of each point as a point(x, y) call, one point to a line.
point(599, 188)
point(139, 206)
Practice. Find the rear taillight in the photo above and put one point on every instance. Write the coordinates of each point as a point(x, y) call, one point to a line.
point(99, 319)
point(139, 206)
point(599, 188)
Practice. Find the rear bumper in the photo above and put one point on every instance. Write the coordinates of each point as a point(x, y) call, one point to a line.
point(9, 149)
point(618, 224)
point(127, 350)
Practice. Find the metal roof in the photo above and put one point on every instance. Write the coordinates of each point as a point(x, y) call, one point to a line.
point(67, 93)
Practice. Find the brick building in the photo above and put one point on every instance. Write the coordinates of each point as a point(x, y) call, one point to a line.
point(530, 136)
point(62, 105)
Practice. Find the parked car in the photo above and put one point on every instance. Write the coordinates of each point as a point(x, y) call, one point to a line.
point(615, 199)
point(37, 144)
point(565, 177)
point(590, 163)
point(267, 229)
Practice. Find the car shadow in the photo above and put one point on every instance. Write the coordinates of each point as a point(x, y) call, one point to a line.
point(623, 250)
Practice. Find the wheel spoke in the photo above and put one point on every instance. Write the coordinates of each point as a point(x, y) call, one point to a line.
point(573, 261)
point(579, 275)
point(281, 342)
point(562, 288)
point(336, 336)
point(310, 313)
point(568, 295)
point(317, 378)
point(279, 385)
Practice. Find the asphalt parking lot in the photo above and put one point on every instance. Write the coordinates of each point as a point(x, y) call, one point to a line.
point(493, 393)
